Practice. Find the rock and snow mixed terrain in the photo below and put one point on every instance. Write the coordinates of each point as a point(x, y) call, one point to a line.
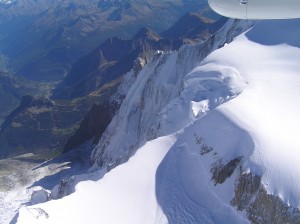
point(23, 179)
point(200, 138)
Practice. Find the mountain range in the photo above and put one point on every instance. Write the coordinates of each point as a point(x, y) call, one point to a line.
point(205, 134)
point(111, 115)
point(116, 56)
point(43, 39)
point(44, 125)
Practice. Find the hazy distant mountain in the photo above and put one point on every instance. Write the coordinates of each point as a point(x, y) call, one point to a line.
point(78, 82)
point(41, 127)
point(43, 39)
point(205, 135)
point(202, 137)
point(112, 59)
point(115, 56)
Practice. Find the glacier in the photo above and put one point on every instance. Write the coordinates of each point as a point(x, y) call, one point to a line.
point(205, 134)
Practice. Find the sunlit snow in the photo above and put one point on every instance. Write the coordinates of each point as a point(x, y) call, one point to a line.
point(242, 101)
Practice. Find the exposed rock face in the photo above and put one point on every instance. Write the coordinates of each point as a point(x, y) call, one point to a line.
point(247, 186)
point(193, 26)
point(112, 59)
point(64, 188)
point(47, 125)
point(261, 207)
point(115, 57)
point(141, 113)
point(220, 172)
point(252, 197)
point(92, 126)
point(108, 63)
point(137, 123)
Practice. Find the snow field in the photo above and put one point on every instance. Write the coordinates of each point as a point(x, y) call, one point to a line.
point(241, 101)
point(126, 194)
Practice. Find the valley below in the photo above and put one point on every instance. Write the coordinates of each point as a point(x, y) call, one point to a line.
point(145, 111)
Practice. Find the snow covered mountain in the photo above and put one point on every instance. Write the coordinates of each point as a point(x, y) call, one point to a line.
point(204, 135)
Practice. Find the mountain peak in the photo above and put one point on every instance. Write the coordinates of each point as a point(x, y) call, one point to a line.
point(194, 26)
point(146, 33)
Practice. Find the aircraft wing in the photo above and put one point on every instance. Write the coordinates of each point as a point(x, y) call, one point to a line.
point(257, 9)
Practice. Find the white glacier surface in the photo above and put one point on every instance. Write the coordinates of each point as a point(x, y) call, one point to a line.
point(242, 101)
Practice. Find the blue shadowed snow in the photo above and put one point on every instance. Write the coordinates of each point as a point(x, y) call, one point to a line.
point(276, 32)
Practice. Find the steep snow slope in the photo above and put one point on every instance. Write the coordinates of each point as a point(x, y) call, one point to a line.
point(269, 107)
point(229, 127)
point(23, 178)
point(16, 183)
point(145, 108)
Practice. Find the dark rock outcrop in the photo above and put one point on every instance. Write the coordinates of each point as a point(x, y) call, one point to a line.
point(193, 26)
point(40, 126)
point(221, 172)
point(12, 88)
point(92, 126)
point(261, 207)
point(251, 196)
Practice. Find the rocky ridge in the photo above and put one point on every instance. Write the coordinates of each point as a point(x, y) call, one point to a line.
point(168, 88)
point(92, 81)
point(43, 39)
point(137, 123)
